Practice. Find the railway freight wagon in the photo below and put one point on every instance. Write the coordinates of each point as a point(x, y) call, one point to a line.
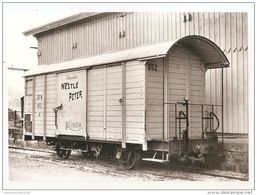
point(147, 101)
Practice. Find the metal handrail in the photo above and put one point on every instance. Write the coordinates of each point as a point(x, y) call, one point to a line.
point(190, 104)
point(217, 119)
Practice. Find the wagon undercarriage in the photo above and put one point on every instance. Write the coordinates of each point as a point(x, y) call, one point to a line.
point(195, 152)
point(180, 147)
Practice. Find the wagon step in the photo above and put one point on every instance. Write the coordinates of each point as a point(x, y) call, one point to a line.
point(154, 159)
point(72, 149)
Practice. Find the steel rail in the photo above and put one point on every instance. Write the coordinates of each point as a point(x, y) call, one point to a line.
point(183, 168)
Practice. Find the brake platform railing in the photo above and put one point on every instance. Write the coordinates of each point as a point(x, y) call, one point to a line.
point(210, 122)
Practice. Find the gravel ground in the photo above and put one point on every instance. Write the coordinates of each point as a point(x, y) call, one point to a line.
point(41, 166)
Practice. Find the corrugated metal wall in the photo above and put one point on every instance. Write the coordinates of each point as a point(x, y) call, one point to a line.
point(104, 33)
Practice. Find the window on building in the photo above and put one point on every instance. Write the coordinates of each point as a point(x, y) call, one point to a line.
point(29, 87)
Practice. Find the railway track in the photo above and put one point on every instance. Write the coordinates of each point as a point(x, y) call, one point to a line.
point(31, 149)
point(152, 168)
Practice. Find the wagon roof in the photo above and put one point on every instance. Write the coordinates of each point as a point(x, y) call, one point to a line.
point(208, 51)
point(61, 22)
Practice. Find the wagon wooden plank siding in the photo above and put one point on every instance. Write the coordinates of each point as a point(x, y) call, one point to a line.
point(90, 34)
point(38, 113)
point(96, 100)
point(134, 101)
point(51, 102)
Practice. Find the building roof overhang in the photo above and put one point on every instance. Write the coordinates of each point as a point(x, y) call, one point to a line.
point(61, 22)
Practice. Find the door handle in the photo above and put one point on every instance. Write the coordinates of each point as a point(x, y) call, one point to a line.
point(56, 109)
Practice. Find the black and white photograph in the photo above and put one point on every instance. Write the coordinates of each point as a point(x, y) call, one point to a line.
point(128, 96)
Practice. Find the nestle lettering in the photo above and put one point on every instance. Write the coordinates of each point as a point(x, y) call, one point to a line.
point(67, 85)
point(72, 95)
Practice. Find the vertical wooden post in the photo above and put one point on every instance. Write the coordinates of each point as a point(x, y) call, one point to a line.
point(163, 109)
point(188, 92)
point(222, 108)
point(176, 127)
point(145, 107)
point(188, 76)
point(166, 97)
point(123, 144)
point(86, 128)
point(105, 101)
point(25, 96)
point(202, 122)
point(44, 107)
point(33, 107)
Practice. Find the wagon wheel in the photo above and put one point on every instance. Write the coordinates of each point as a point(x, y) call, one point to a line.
point(128, 159)
point(63, 153)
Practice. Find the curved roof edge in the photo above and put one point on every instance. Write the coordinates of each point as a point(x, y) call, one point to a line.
point(207, 50)
point(146, 52)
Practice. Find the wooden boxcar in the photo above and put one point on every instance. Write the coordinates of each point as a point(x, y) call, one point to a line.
point(149, 98)
point(89, 34)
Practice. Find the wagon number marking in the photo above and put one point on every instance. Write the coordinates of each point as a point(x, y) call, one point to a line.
point(152, 67)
